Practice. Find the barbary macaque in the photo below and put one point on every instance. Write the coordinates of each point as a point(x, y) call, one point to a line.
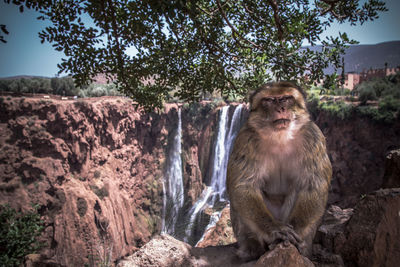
point(278, 173)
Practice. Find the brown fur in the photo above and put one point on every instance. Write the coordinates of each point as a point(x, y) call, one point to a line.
point(278, 173)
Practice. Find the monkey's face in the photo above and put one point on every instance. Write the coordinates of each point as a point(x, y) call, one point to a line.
point(277, 107)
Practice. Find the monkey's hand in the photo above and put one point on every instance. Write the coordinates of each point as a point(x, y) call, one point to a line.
point(284, 234)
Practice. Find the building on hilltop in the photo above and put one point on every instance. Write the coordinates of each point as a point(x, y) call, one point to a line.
point(352, 78)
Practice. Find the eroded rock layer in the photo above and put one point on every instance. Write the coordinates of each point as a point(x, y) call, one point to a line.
point(95, 167)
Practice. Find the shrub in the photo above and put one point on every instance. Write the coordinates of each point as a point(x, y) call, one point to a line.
point(313, 105)
point(186, 105)
point(18, 233)
point(381, 86)
point(97, 174)
point(367, 93)
point(369, 111)
point(82, 206)
point(393, 91)
point(192, 109)
point(387, 111)
point(346, 92)
point(96, 90)
point(388, 103)
point(394, 78)
point(100, 192)
point(338, 108)
point(389, 108)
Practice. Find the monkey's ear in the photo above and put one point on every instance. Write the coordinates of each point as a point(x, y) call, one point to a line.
point(296, 85)
point(250, 95)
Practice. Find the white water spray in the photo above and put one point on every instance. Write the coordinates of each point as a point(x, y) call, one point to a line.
point(173, 197)
point(223, 147)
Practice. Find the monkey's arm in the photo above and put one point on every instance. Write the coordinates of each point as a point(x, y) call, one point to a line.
point(312, 198)
point(250, 207)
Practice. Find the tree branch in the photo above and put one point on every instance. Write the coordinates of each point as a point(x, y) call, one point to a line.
point(212, 12)
point(277, 19)
point(115, 33)
point(233, 28)
point(172, 29)
point(332, 4)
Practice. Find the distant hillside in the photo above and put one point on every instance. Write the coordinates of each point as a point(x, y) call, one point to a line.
point(364, 57)
point(23, 77)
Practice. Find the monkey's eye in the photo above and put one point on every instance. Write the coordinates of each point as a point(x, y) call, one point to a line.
point(285, 99)
point(267, 100)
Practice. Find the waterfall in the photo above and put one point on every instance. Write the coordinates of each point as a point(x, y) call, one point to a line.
point(217, 183)
point(223, 147)
point(227, 143)
point(173, 197)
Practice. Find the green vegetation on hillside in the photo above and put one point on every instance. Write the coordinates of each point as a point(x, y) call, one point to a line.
point(385, 91)
point(18, 233)
point(379, 88)
point(57, 86)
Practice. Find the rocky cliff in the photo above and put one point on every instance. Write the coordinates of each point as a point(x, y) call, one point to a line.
point(95, 167)
point(357, 147)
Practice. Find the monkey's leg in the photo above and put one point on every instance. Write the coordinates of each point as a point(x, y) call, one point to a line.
point(306, 215)
point(249, 245)
point(256, 223)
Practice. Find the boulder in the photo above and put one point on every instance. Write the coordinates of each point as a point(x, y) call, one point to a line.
point(373, 232)
point(330, 232)
point(163, 250)
point(166, 251)
point(221, 233)
point(283, 255)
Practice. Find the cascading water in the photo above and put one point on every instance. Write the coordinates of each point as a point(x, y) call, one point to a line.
point(173, 197)
point(220, 177)
point(223, 146)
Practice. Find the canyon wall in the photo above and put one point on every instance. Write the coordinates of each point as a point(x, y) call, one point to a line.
point(357, 147)
point(96, 167)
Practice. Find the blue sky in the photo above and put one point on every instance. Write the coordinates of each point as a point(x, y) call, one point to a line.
point(23, 54)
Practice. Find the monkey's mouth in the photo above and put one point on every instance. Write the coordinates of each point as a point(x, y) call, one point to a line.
point(281, 123)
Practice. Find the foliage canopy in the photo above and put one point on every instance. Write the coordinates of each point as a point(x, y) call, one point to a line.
point(195, 47)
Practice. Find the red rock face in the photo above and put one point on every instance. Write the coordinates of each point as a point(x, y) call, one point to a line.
point(372, 234)
point(357, 148)
point(91, 165)
point(95, 168)
point(391, 177)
